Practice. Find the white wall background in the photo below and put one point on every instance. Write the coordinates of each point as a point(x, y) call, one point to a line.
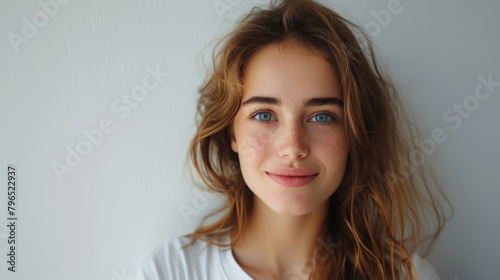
point(125, 196)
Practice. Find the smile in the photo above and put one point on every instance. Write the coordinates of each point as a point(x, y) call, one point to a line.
point(292, 181)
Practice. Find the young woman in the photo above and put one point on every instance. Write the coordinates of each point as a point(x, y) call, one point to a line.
point(309, 143)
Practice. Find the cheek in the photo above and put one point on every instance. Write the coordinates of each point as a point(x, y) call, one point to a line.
point(334, 146)
point(254, 143)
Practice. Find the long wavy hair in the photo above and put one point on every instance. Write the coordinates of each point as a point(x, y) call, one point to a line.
point(389, 203)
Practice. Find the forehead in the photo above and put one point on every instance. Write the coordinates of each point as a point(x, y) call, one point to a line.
point(290, 70)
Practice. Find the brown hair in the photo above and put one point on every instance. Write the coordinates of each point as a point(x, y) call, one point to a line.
point(376, 215)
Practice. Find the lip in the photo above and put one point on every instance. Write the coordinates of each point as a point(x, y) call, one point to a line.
point(292, 177)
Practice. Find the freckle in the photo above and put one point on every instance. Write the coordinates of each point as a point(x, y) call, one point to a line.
point(250, 148)
point(331, 147)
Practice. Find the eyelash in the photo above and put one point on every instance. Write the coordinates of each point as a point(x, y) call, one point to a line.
point(328, 113)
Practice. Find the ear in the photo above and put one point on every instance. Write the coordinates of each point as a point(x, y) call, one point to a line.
point(234, 145)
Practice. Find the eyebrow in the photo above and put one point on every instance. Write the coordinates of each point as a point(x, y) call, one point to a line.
point(311, 102)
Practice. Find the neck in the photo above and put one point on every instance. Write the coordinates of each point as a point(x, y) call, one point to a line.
point(279, 243)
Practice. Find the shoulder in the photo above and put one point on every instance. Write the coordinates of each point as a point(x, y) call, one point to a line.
point(171, 261)
point(424, 270)
point(163, 262)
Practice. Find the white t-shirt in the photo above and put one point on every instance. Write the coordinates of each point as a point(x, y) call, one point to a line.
point(169, 262)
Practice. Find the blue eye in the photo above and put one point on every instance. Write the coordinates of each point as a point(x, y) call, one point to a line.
point(322, 118)
point(264, 116)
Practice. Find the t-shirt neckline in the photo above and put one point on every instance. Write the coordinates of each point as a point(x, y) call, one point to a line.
point(228, 264)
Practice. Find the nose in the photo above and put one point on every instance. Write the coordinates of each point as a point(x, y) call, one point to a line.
point(292, 141)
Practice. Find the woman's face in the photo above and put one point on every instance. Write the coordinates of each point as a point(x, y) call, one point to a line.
point(289, 131)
